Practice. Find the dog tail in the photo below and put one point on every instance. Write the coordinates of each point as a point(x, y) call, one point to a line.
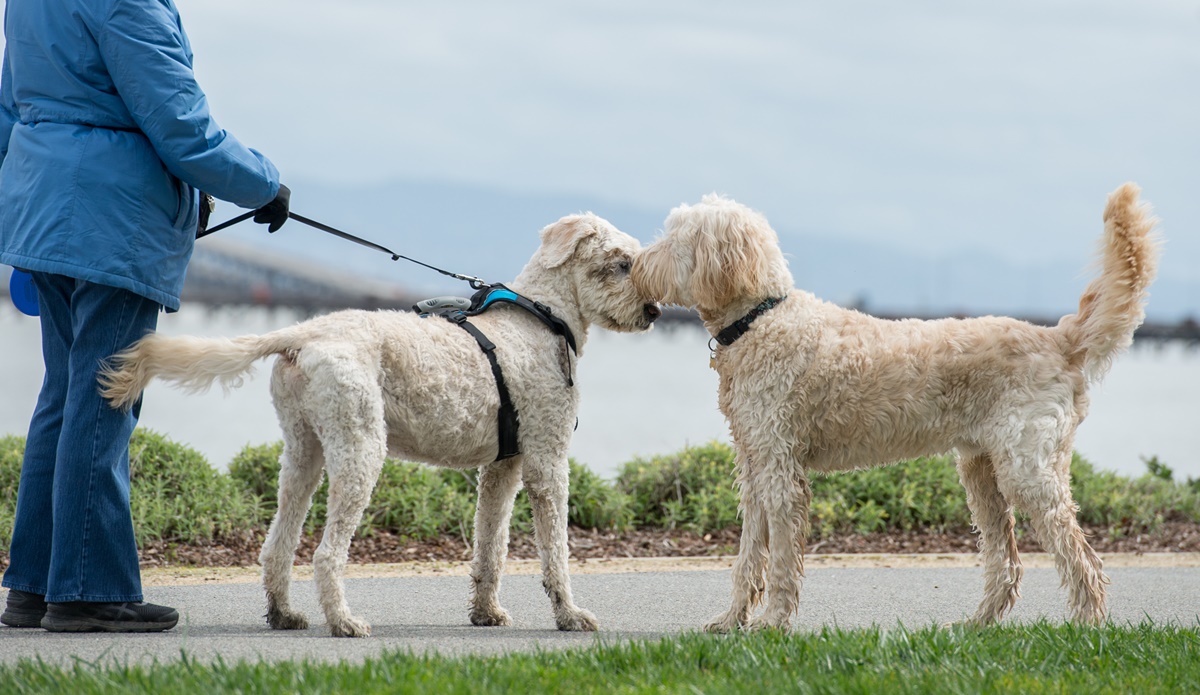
point(1114, 304)
point(189, 362)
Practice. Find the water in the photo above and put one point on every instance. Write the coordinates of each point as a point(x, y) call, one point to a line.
point(642, 395)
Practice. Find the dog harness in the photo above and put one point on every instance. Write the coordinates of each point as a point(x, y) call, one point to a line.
point(508, 420)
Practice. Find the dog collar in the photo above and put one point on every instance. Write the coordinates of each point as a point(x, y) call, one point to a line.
point(738, 328)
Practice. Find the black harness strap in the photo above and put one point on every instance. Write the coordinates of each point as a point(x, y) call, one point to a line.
point(508, 422)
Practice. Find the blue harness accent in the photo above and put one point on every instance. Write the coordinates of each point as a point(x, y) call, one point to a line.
point(508, 420)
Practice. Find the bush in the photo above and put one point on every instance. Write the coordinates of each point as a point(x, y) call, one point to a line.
point(423, 502)
point(12, 451)
point(922, 494)
point(691, 489)
point(595, 503)
point(176, 495)
point(694, 489)
point(255, 469)
point(409, 499)
point(1132, 505)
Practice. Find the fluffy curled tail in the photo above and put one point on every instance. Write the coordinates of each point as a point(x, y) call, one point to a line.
point(1114, 304)
point(191, 363)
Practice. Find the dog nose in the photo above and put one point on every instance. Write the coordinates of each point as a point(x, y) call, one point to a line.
point(651, 312)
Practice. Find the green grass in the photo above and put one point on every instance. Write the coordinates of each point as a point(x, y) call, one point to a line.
point(179, 497)
point(1031, 658)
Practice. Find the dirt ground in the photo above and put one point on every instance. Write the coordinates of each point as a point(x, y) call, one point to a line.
point(596, 545)
point(589, 546)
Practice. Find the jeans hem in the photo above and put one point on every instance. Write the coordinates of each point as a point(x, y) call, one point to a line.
point(27, 588)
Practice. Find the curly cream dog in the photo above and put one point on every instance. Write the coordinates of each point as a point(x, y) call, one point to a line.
point(353, 387)
point(812, 387)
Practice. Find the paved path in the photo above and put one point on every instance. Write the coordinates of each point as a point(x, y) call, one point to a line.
point(422, 613)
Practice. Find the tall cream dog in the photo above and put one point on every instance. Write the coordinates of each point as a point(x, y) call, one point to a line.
point(353, 387)
point(812, 387)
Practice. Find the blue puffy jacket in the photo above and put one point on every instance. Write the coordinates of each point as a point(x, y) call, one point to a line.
point(105, 138)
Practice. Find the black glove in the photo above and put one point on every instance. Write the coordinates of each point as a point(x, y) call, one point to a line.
point(275, 213)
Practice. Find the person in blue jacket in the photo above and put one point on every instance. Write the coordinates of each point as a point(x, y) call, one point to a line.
point(105, 141)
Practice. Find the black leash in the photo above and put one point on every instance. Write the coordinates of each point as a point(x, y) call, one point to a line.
point(474, 282)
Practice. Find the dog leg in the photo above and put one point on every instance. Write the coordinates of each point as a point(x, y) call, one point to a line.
point(354, 438)
point(787, 499)
point(299, 475)
point(498, 483)
point(749, 581)
point(1052, 513)
point(349, 492)
point(547, 487)
point(992, 516)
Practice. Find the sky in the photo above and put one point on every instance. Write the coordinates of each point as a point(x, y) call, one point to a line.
point(942, 129)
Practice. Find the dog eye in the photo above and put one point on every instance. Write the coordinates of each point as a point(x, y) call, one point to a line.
point(624, 266)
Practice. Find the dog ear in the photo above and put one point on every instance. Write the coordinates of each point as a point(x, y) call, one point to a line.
point(731, 260)
point(559, 240)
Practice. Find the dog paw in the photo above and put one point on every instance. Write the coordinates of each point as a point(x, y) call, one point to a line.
point(496, 617)
point(722, 624)
point(768, 621)
point(286, 620)
point(578, 620)
point(350, 627)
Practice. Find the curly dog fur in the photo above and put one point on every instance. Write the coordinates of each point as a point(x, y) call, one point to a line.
point(813, 387)
point(353, 387)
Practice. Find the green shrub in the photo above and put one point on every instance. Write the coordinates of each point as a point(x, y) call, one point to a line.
point(176, 495)
point(12, 450)
point(596, 503)
point(409, 499)
point(420, 502)
point(694, 489)
point(922, 494)
point(423, 502)
point(593, 503)
point(1132, 505)
point(255, 469)
point(690, 489)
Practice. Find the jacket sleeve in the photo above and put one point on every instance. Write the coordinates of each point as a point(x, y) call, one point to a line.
point(143, 46)
point(8, 107)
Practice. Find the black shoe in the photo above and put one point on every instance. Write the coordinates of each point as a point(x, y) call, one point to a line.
point(84, 616)
point(24, 609)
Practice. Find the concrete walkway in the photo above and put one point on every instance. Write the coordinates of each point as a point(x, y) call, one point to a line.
point(422, 607)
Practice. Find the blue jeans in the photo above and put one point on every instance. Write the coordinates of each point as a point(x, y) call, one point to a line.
point(73, 537)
